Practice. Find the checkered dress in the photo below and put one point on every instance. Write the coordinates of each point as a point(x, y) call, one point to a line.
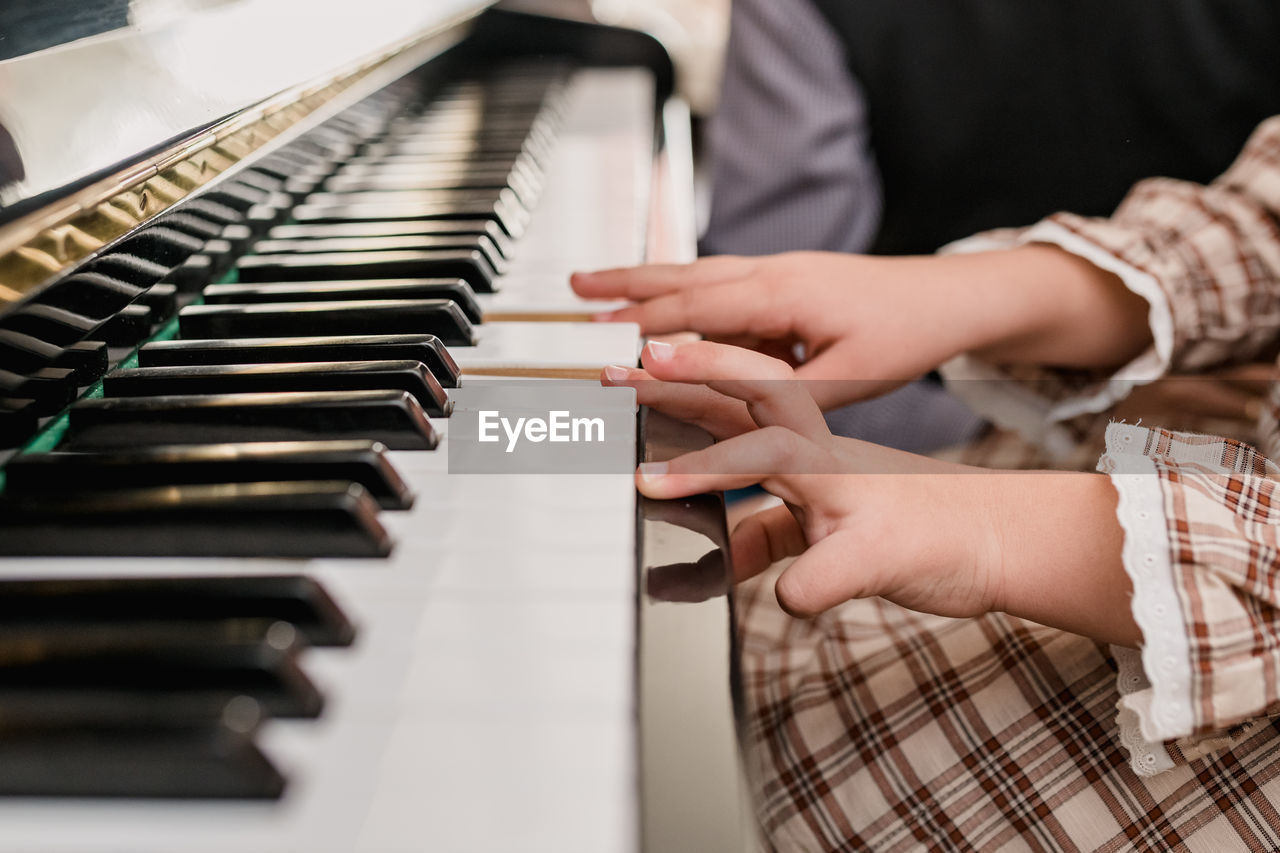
point(875, 728)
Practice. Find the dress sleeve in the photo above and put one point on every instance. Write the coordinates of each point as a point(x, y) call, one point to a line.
point(1206, 259)
point(1201, 517)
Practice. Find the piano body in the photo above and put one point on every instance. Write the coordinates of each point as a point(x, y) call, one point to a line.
point(237, 244)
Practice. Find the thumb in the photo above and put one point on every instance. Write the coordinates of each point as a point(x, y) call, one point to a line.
point(825, 575)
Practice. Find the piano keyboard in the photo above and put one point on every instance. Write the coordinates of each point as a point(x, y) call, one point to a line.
point(458, 649)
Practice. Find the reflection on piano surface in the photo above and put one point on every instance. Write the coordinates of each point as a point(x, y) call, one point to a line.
point(244, 604)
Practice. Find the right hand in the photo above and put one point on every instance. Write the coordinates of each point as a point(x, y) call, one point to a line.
point(844, 319)
point(865, 325)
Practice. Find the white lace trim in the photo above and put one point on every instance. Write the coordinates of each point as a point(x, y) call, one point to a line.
point(1014, 406)
point(1145, 757)
point(1161, 702)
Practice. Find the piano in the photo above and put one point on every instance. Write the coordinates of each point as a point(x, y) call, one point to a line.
point(262, 263)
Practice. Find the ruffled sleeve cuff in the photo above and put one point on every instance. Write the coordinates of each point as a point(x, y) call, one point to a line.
point(1155, 704)
point(1036, 404)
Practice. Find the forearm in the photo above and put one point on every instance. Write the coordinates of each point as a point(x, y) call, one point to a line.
point(1059, 559)
point(1041, 305)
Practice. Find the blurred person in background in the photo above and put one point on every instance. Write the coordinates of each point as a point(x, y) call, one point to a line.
point(897, 126)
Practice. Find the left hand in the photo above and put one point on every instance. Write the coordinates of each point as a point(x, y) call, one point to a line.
point(861, 519)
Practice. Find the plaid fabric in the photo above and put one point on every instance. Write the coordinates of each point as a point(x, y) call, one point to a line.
point(1214, 250)
point(1222, 516)
point(874, 728)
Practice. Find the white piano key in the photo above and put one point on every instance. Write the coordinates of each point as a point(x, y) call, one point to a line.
point(542, 294)
point(594, 210)
point(546, 787)
point(550, 345)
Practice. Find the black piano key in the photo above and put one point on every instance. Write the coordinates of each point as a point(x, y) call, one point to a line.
point(52, 388)
point(510, 221)
point(464, 123)
point(239, 196)
point(87, 359)
point(402, 174)
point(92, 294)
point(209, 663)
point(380, 154)
point(99, 295)
point(470, 266)
point(58, 326)
point(289, 163)
point(525, 192)
point(426, 349)
point(19, 351)
point(19, 420)
point(216, 211)
point(76, 752)
point(439, 317)
point(297, 519)
point(61, 327)
point(391, 417)
point(137, 271)
point(456, 291)
point(387, 243)
point(251, 207)
point(198, 270)
point(443, 161)
point(479, 149)
point(411, 377)
point(196, 226)
point(127, 327)
point(430, 167)
point(362, 462)
point(503, 195)
point(59, 604)
point(304, 184)
point(162, 245)
point(536, 142)
point(163, 300)
point(395, 228)
point(260, 180)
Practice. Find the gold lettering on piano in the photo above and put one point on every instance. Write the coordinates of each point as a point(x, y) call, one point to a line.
point(37, 247)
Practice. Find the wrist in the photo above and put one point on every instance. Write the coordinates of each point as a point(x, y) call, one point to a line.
point(1060, 561)
point(1051, 307)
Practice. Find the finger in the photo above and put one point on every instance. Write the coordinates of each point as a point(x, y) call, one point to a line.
point(723, 417)
point(645, 282)
point(689, 582)
point(773, 395)
point(748, 306)
point(783, 349)
point(823, 576)
point(785, 463)
point(764, 538)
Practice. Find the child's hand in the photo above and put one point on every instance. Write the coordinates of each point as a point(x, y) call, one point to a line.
point(864, 325)
point(854, 511)
point(863, 520)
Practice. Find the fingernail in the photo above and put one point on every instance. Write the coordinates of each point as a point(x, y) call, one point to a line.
point(616, 373)
point(603, 317)
point(653, 470)
point(660, 351)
